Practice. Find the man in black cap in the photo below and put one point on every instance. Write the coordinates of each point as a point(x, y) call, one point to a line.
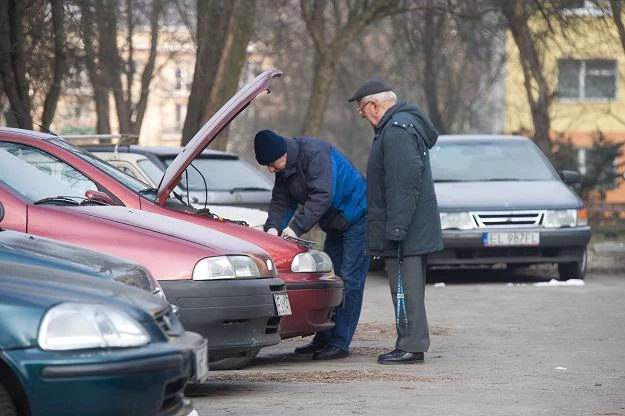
point(314, 174)
point(403, 217)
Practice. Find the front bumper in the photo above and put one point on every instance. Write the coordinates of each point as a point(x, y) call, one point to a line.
point(313, 301)
point(148, 380)
point(234, 316)
point(558, 245)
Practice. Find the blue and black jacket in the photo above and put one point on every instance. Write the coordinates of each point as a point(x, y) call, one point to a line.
point(326, 184)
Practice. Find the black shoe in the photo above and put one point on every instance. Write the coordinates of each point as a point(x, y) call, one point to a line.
point(330, 353)
point(401, 357)
point(309, 348)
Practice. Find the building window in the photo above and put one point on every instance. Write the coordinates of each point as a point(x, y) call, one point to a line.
point(589, 79)
point(585, 7)
point(178, 79)
point(180, 113)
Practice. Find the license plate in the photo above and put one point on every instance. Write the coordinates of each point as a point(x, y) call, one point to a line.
point(511, 238)
point(200, 358)
point(283, 306)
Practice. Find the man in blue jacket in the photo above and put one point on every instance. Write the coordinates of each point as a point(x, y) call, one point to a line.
point(313, 174)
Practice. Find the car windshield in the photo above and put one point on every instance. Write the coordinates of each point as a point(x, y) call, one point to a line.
point(32, 182)
point(222, 174)
point(126, 179)
point(489, 160)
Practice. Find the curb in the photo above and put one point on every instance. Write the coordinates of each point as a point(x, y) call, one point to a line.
point(606, 256)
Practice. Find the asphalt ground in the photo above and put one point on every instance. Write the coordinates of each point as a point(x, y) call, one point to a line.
point(499, 346)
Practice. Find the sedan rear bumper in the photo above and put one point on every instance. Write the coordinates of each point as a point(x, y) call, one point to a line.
point(234, 316)
point(562, 245)
point(313, 305)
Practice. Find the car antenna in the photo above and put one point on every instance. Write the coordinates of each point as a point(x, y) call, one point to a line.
point(20, 115)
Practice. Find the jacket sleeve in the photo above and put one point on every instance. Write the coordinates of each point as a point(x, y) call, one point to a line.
point(403, 165)
point(319, 183)
point(281, 207)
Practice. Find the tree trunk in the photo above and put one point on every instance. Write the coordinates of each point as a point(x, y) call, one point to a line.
point(98, 82)
point(534, 79)
point(13, 62)
point(617, 10)
point(349, 18)
point(433, 32)
point(322, 83)
point(233, 57)
point(60, 63)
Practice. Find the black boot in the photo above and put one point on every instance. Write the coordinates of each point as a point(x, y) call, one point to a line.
point(401, 357)
point(309, 348)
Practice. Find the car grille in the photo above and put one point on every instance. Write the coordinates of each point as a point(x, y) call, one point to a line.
point(169, 323)
point(507, 219)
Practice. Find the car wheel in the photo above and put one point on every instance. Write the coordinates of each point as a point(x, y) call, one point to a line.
point(7, 408)
point(233, 363)
point(575, 270)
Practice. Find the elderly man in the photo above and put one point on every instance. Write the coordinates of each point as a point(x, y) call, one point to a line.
point(403, 217)
point(312, 173)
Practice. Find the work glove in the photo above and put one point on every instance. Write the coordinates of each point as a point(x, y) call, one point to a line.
point(272, 231)
point(288, 232)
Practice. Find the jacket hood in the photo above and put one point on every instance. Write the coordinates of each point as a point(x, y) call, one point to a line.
point(426, 128)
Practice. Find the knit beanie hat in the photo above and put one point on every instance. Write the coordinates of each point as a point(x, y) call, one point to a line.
point(268, 146)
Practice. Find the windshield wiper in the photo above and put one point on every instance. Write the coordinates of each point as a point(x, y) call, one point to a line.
point(500, 180)
point(60, 200)
point(449, 180)
point(248, 189)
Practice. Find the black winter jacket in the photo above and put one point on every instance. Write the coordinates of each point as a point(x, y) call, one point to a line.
point(322, 180)
point(400, 192)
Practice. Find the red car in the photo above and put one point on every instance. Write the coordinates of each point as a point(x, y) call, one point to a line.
point(313, 289)
point(225, 288)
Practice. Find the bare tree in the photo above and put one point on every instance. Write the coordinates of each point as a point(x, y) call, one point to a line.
point(224, 29)
point(616, 7)
point(451, 47)
point(332, 25)
point(32, 57)
point(101, 91)
point(531, 46)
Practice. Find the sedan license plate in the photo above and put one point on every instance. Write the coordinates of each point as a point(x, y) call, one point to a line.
point(283, 306)
point(200, 358)
point(511, 238)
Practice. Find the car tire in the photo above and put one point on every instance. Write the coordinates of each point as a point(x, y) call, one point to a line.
point(575, 270)
point(233, 363)
point(7, 408)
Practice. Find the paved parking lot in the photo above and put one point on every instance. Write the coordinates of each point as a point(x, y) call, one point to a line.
point(500, 346)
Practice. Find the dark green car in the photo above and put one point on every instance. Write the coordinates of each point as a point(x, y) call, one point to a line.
point(74, 344)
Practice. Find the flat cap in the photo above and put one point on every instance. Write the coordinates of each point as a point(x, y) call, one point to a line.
point(371, 86)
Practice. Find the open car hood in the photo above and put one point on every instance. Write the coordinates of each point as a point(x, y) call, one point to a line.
point(211, 129)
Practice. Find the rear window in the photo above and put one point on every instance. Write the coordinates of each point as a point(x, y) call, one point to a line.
point(222, 175)
point(489, 161)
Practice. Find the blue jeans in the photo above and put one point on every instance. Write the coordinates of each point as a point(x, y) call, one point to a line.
point(347, 251)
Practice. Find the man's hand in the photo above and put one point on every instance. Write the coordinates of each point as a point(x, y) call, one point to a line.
point(288, 232)
point(272, 231)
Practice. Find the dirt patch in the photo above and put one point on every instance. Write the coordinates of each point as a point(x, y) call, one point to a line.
point(371, 331)
point(338, 376)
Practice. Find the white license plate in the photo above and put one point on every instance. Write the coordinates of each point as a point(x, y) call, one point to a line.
point(511, 238)
point(200, 358)
point(283, 306)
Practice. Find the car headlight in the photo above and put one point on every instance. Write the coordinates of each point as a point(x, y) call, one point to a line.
point(312, 261)
point(158, 292)
point(75, 326)
point(565, 218)
point(226, 267)
point(456, 220)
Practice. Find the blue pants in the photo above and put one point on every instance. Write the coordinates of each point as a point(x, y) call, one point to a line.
point(347, 251)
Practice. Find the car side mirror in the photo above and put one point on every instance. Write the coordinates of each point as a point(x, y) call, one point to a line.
point(570, 177)
point(100, 197)
point(1, 211)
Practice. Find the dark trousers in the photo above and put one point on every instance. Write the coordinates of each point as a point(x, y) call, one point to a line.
point(347, 251)
point(413, 334)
